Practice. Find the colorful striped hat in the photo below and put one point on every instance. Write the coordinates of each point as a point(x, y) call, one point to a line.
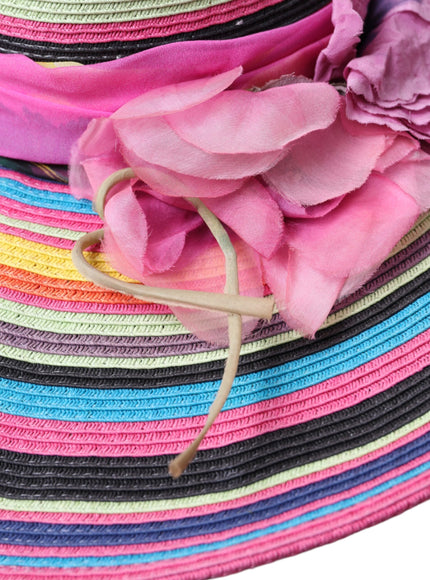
point(320, 436)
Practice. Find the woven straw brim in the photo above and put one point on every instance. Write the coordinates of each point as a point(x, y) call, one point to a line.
point(98, 392)
point(97, 32)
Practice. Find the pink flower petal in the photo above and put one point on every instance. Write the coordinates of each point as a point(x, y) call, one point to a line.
point(355, 281)
point(253, 215)
point(126, 246)
point(325, 257)
point(327, 163)
point(347, 18)
point(167, 229)
point(94, 158)
point(400, 147)
point(177, 97)
point(389, 83)
point(170, 183)
point(359, 234)
point(202, 268)
point(412, 174)
point(399, 51)
point(162, 146)
point(304, 295)
point(256, 122)
point(295, 210)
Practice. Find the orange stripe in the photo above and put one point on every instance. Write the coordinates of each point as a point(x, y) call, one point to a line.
point(57, 289)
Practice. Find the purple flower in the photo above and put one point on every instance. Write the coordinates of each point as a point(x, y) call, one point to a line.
point(348, 23)
point(389, 82)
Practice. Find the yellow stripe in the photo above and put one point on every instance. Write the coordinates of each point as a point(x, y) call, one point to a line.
point(48, 261)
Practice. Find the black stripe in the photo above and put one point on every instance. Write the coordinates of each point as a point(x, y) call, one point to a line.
point(27, 476)
point(51, 172)
point(84, 377)
point(270, 17)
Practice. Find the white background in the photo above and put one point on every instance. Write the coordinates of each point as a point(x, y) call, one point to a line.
point(398, 549)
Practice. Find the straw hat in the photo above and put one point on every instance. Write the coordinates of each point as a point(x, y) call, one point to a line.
point(320, 436)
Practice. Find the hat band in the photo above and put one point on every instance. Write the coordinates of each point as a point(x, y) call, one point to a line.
point(46, 120)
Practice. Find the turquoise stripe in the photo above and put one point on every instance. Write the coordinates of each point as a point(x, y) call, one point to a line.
point(77, 404)
point(204, 548)
point(43, 198)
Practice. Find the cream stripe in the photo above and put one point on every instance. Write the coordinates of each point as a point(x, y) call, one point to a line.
point(89, 323)
point(112, 362)
point(102, 12)
point(41, 229)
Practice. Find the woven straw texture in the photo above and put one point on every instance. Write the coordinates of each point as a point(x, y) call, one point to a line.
point(89, 32)
point(98, 391)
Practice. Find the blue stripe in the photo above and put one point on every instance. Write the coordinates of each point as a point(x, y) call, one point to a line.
point(73, 404)
point(43, 198)
point(28, 533)
point(205, 548)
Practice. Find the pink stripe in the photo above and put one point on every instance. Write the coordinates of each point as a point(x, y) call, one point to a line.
point(249, 500)
point(81, 551)
point(261, 550)
point(34, 182)
point(50, 437)
point(38, 238)
point(49, 217)
point(131, 30)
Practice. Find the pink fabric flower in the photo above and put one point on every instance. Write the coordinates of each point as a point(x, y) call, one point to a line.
point(160, 244)
point(314, 202)
point(389, 83)
point(366, 187)
point(205, 139)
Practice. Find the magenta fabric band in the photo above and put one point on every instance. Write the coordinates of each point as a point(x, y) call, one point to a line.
point(53, 107)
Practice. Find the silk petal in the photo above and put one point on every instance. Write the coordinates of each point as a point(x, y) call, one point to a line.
point(257, 122)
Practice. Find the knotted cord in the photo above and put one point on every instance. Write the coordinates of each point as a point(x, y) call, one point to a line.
point(231, 302)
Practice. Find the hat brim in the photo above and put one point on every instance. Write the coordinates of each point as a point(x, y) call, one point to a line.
point(319, 438)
